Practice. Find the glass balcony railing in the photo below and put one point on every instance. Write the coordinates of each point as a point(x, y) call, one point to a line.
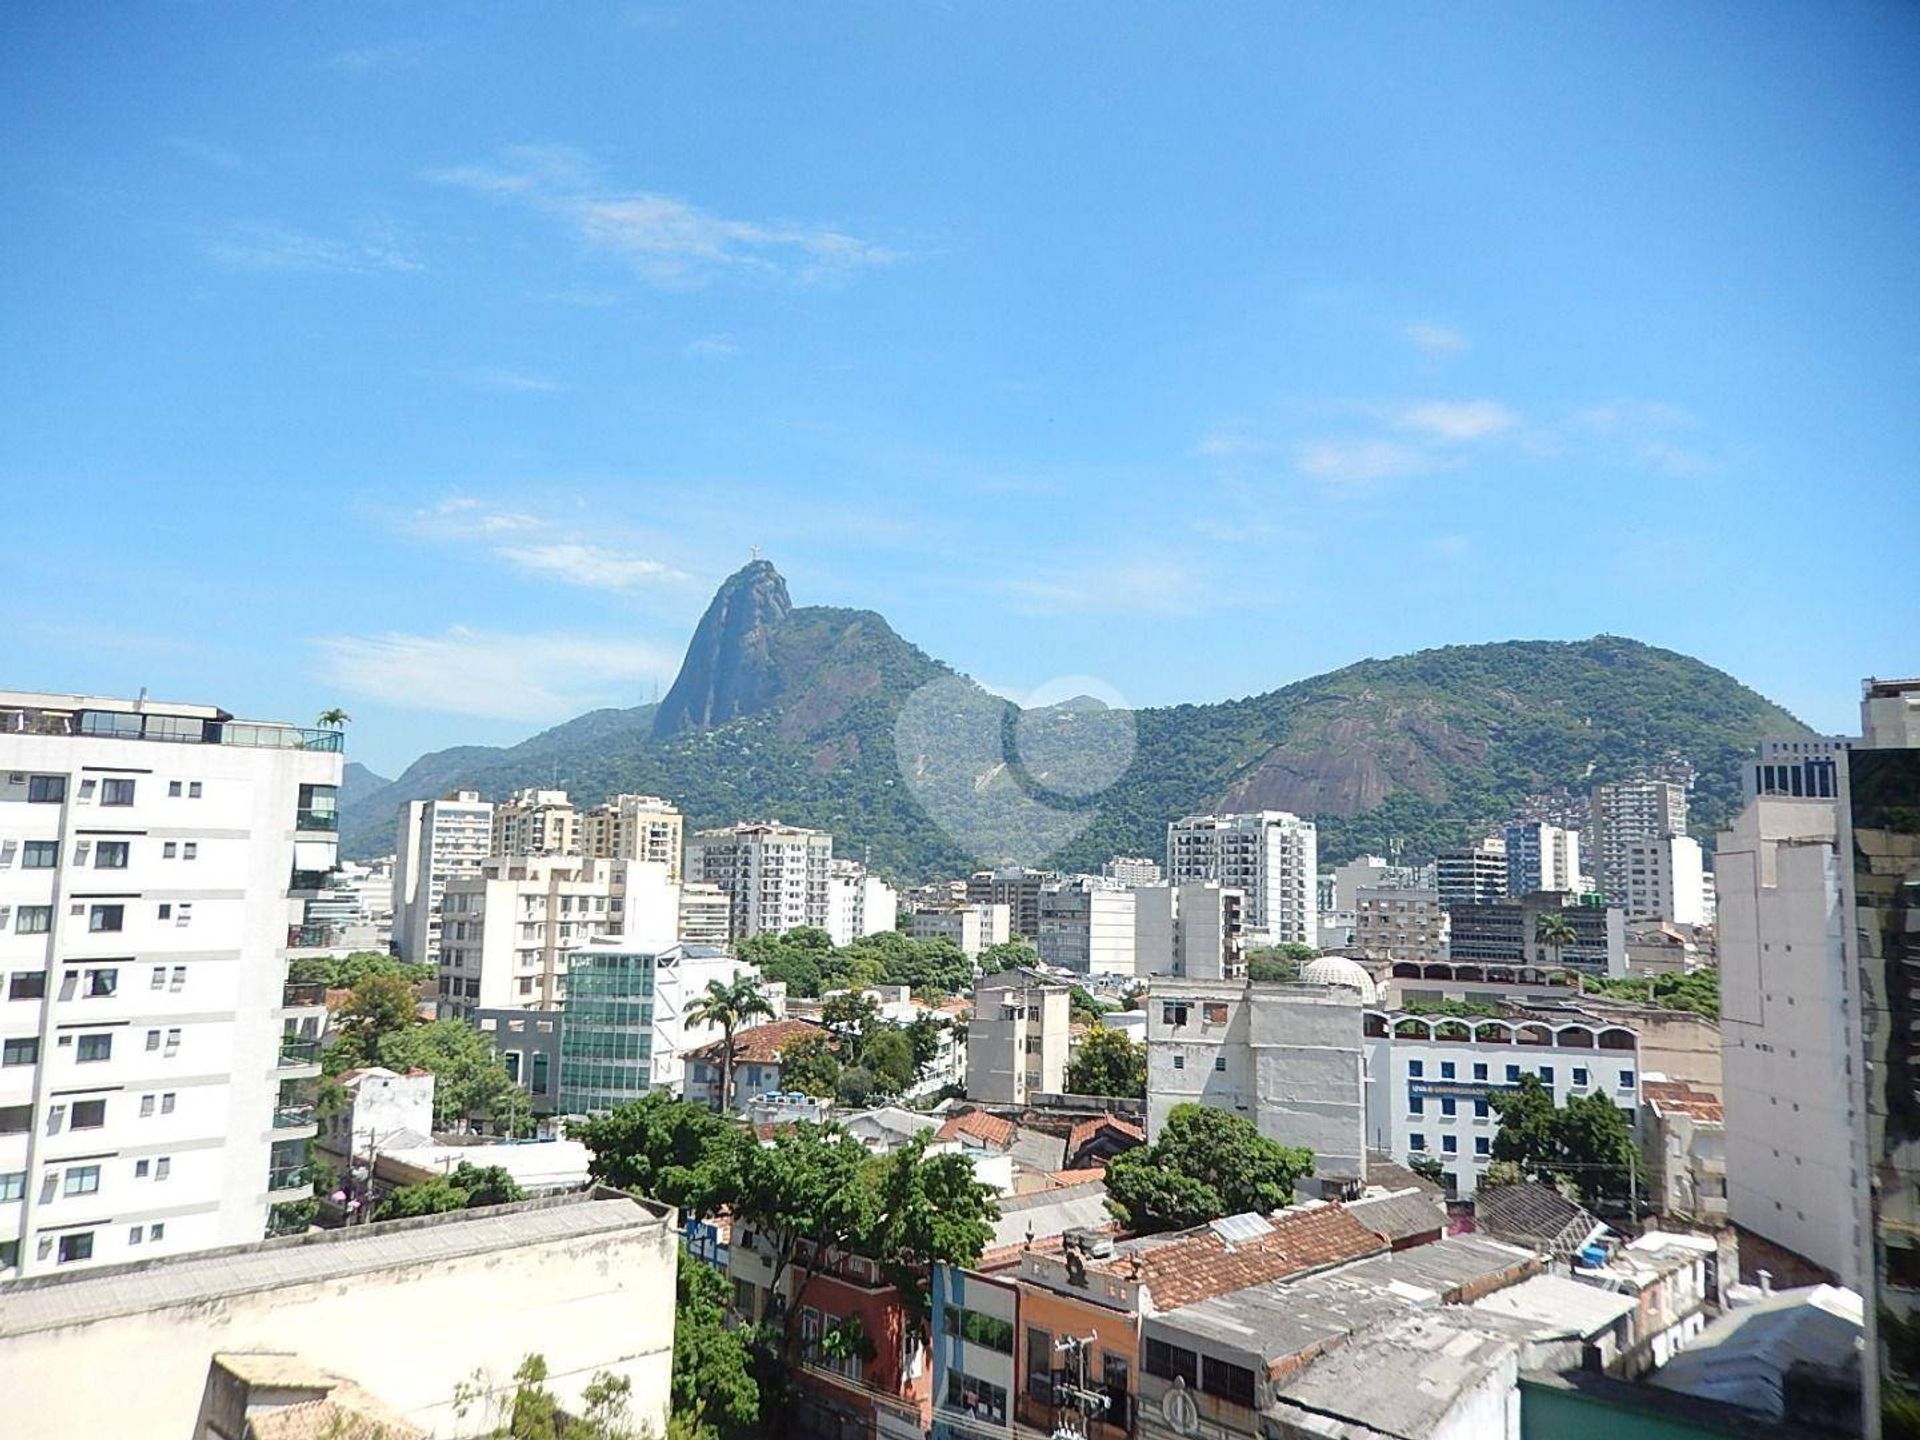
point(297, 1051)
point(292, 1117)
point(309, 880)
point(316, 820)
point(298, 994)
point(168, 729)
point(315, 937)
point(289, 1177)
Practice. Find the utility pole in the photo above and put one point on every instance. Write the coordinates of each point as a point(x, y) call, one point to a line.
point(1077, 1395)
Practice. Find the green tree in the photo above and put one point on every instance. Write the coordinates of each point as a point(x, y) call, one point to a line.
point(1587, 1143)
point(849, 1014)
point(729, 1006)
point(857, 1087)
point(1082, 1007)
point(809, 1065)
point(714, 1391)
point(345, 971)
point(887, 1054)
point(925, 1034)
point(671, 1150)
point(1429, 1168)
point(1008, 955)
point(465, 1187)
point(927, 1210)
point(470, 1082)
point(1108, 1063)
point(334, 719)
point(1554, 930)
point(796, 958)
point(1205, 1159)
point(1526, 1134)
point(379, 1006)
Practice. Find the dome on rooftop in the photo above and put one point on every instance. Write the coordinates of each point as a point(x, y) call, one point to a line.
point(1347, 974)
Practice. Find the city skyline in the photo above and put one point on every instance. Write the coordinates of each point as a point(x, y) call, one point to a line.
point(447, 397)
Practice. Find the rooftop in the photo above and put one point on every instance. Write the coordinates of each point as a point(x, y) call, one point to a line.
point(758, 1044)
point(979, 1125)
point(54, 1302)
point(1558, 1306)
point(1046, 1214)
point(1743, 1357)
point(1197, 1264)
point(106, 717)
point(1400, 1215)
point(1533, 1214)
point(1679, 1097)
point(1401, 1379)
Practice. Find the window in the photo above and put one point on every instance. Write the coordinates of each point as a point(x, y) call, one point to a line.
point(82, 1180)
point(1446, 1069)
point(1579, 1075)
point(1626, 1079)
point(141, 1169)
point(1114, 1379)
point(1546, 1075)
point(193, 789)
point(1513, 1074)
point(173, 789)
point(1214, 1013)
point(179, 980)
point(56, 1118)
point(1040, 1364)
point(93, 1048)
point(33, 919)
point(1168, 1362)
point(978, 1329)
point(1220, 1062)
point(183, 913)
point(1482, 1145)
point(173, 1040)
point(980, 1398)
point(89, 1114)
point(157, 1230)
point(135, 1233)
point(541, 1065)
point(169, 850)
point(116, 791)
point(1447, 1106)
point(102, 983)
point(1416, 1105)
point(1172, 1013)
point(13, 1185)
point(1229, 1382)
point(15, 1119)
point(1417, 1141)
point(1179, 1062)
point(22, 1050)
point(1416, 1067)
point(111, 855)
point(166, 1103)
point(163, 1167)
point(1481, 1109)
point(46, 789)
point(40, 855)
point(1450, 1144)
point(106, 917)
point(1479, 1071)
point(146, 1106)
point(190, 850)
point(76, 1247)
point(166, 912)
point(26, 985)
point(153, 1039)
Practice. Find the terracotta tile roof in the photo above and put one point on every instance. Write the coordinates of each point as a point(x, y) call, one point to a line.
point(1078, 1177)
point(759, 1045)
point(1682, 1097)
point(1200, 1264)
point(1006, 1256)
point(981, 1126)
point(1087, 1129)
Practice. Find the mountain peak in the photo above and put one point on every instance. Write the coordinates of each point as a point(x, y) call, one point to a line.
point(728, 671)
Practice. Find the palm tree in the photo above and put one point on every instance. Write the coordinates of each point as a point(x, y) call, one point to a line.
point(730, 1006)
point(334, 719)
point(1553, 929)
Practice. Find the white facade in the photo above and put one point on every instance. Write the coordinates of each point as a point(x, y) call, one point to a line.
point(706, 914)
point(634, 827)
point(1431, 1080)
point(1017, 1039)
point(382, 1105)
point(775, 876)
point(508, 929)
point(1626, 812)
point(1541, 857)
point(1192, 931)
point(536, 822)
point(1791, 1087)
point(1132, 870)
point(1271, 857)
point(154, 862)
point(1086, 926)
point(680, 978)
point(1665, 881)
point(971, 927)
point(1286, 1057)
point(858, 904)
point(438, 840)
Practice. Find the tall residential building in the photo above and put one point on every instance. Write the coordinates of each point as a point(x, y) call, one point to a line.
point(1507, 932)
point(775, 875)
point(1271, 857)
point(1808, 768)
point(706, 914)
point(858, 904)
point(509, 928)
point(1017, 1038)
point(536, 822)
point(1409, 925)
point(156, 1068)
point(972, 927)
point(1541, 857)
point(438, 840)
point(1473, 874)
point(1666, 881)
point(1787, 1025)
point(1286, 1057)
point(1192, 931)
point(1015, 887)
point(1342, 885)
point(1086, 925)
point(634, 827)
point(1132, 870)
point(1626, 812)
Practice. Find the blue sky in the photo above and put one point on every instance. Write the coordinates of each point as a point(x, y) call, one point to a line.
point(438, 362)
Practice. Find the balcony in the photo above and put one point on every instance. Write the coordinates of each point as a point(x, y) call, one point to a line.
point(308, 880)
point(316, 820)
point(289, 1177)
point(296, 1051)
point(292, 1117)
point(315, 937)
point(302, 995)
point(167, 729)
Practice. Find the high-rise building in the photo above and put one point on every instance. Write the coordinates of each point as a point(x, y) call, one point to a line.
point(156, 1068)
point(1401, 925)
point(1271, 857)
point(1015, 887)
point(1624, 813)
point(706, 914)
point(775, 876)
point(971, 927)
point(1541, 857)
point(536, 822)
point(1191, 931)
point(1807, 768)
point(1132, 870)
point(1086, 925)
point(634, 827)
point(1507, 932)
point(1473, 874)
point(1666, 881)
point(858, 904)
point(438, 840)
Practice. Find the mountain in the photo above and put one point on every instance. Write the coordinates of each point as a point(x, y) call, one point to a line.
point(357, 782)
point(791, 712)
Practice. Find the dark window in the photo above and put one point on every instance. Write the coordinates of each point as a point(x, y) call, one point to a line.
point(1114, 1380)
point(33, 919)
point(1229, 1382)
point(106, 917)
point(1172, 1014)
point(15, 1119)
point(40, 855)
point(23, 1050)
point(27, 985)
point(116, 792)
point(1040, 1364)
point(1172, 1362)
point(92, 1048)
point(110, 855)
point(88, 1114)
point(979, 1398)
point(76, 1247)
point(542, 1064)
point(46, 789)
point(978, 1329)
point(102, 983)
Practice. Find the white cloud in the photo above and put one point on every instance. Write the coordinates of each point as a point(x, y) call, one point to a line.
point(517, 382)
point(669, 241)
point(713, 347)
point(531, 677)
point(466, 516)
point(280, 248)
point(1146, 587)
point(1357, 461)
point(1223, 444)
point(590, 566)
point(1457, 420)
point(1435, 339)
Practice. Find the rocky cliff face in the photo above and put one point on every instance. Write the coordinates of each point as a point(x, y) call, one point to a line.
point(729, 670)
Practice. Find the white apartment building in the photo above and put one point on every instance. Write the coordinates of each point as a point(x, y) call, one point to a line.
point(1286, 1057)
point(635, 827)
point(706, 914)
point(1086, 926)
point(775, 876)
point(1792, 1089)
point(1431, 1079)
point(509, 928)
point(1623, 813)
point(1340, 887)
point(1191, 931)
point(1541, 857)
point(536, 822)
point(1271, 857)
point(1017, 1039)
point(1016, 887)
point(438, 840)
point(1410, 925)
point(156, 1068)
point(1666, 881)
point(858, 904)
point(1473, 874)
point(1132, 870)
point(971, 927)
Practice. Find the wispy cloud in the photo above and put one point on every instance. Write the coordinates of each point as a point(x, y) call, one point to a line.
point(1139, 587)
point(516, 382)
point(1360, 460)
point(465, 516)
point(593, 567)
point(280, 248)
point(530, 677)
point(1457, 420)
point(713, 347)
point(1650, 432)
point(668, 241)
point(1435, 339)
point(364, 59)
